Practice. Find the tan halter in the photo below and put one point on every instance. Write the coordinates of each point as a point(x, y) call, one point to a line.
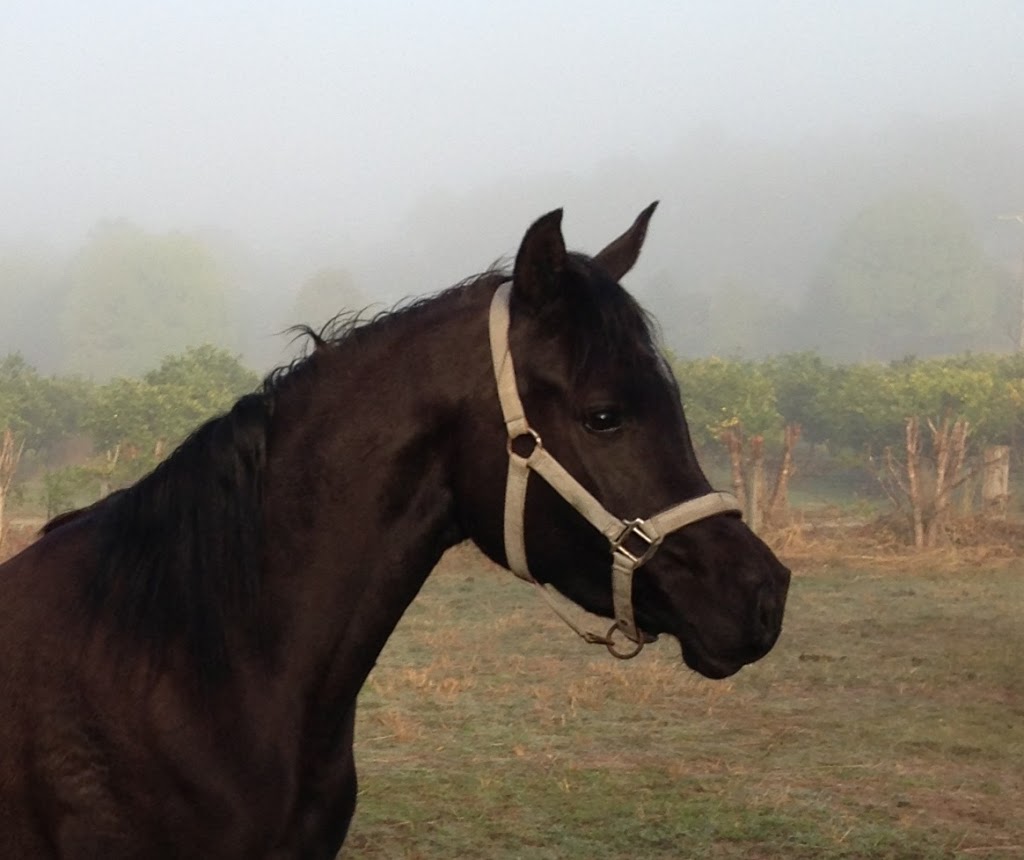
point(632, 542)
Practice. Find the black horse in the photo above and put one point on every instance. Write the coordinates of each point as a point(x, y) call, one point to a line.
point(179, 663)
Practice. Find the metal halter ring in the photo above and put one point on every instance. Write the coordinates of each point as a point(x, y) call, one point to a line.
point(529, 433)
point(621, 655)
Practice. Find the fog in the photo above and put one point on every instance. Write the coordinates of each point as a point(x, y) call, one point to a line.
point(412, 147)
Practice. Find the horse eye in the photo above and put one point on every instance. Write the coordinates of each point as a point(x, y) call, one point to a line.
point(608, 419)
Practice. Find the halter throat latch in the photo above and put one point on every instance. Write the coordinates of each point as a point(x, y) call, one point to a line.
point(632, 542)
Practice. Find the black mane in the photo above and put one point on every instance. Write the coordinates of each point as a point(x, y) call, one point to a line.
point(180, 550)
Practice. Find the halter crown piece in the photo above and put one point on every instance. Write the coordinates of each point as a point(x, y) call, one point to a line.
point(632, 542)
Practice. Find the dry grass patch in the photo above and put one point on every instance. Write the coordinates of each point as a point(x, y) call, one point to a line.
point(830, 537)
point(888, 722)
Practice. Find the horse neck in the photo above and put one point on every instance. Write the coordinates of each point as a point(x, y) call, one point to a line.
point(359, 504)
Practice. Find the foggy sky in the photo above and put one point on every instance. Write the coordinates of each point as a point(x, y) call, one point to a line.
point(321, 128)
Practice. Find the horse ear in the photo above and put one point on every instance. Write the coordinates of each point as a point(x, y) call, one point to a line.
point(620, 256)
point(540, 261)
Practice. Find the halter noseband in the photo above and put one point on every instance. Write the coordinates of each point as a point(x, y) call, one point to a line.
point(632, 542)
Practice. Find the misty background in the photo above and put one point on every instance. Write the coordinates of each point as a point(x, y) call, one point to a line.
point(831, 177)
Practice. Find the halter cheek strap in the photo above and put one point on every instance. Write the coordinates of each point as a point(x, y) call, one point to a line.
point(632, 542)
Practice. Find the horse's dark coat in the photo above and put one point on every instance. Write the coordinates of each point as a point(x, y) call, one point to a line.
point(180, 662)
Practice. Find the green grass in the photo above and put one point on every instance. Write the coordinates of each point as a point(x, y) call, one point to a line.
point(887, 723)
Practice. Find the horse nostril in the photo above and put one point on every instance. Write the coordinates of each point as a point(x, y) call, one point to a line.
point(767, 615)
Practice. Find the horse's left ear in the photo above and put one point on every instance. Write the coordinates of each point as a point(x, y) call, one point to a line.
point(540, 262)
point(620, 256)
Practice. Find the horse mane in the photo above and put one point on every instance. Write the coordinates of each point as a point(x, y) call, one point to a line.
point(180, 552)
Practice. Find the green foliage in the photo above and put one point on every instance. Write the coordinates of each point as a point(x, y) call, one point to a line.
point(987, 389)
point(38, 409)
point(69, 487)
point(805, 386)
point(195, 385)
point(853, 407)
point(865, 407)
point(17, 383)
point(123, 409)
point(138, 419)
point(869, 403)
point(162, 407)
point(134, 297)
point(719, 393)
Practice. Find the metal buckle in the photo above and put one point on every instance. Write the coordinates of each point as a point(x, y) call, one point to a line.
point(634, 528)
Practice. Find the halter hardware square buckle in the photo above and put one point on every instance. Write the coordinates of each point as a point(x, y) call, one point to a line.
point(638, 555)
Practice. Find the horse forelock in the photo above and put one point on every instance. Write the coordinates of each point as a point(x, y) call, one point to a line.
point(604, 325)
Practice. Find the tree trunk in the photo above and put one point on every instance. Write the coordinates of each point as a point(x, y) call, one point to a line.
point(913, 439)
point(755, 501)
point(733, 440)
point(106, 477)
point(10, 456)
point(995, 483)
point(949, 446)
point(778, 505)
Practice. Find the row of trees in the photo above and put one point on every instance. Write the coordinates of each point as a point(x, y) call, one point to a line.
point(852, 407)
point(917, 426)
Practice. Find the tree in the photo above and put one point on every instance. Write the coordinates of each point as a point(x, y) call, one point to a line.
point(857, 410)
point(734, 403)
point(989, 390)
point(905, 276)
point(10, 455)
point(142, 419)
point(926, 478)
point(720, 393)
point(804, 384)
point(134, 297)
point(18, 381)
point(40, 410)
point(195, 385)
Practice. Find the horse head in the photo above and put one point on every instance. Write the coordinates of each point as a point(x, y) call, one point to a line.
point(603, 471)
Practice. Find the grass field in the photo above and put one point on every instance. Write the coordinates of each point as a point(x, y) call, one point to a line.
point(887, 723)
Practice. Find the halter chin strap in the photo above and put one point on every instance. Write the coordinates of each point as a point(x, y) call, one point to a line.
point(632, 542)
